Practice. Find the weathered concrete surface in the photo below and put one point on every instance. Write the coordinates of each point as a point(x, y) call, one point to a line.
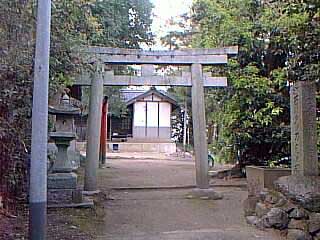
point(163, 147)
point(303, 129)
point(259, 178)
point(232, 50)
point(169, 214)
point(73, 155)
point(142, 155)
point(62, 181)
point(199, 127)
point(180, 57)
point(124, 80)
point(94, 130)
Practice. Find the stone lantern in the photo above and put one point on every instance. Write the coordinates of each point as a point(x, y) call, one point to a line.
point(62, 181)
point(64, 133)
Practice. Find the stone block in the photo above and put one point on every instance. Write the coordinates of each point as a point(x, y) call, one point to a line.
point(273, 197)
point(73, 156)
point(263, 194)
point(299, 224)
point(275, 218)
point(249, 206)
point(252, 220)
point(314, 223)
point(261, 209)
point(139, 145)
point(297, 234)
point(77, 196)
point(302, 190)
point(62, 181)
point(299, 213)
point(260, 178)
point(59, 196)
point(64, 196)
point(282, 203)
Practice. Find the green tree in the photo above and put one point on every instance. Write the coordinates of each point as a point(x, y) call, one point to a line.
point(122, 23)
point(183, 112)
point(276, 39)
point(278, 43)
point(74, 23)
point(16, 49)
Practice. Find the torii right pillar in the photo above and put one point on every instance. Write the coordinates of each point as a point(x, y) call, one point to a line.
point(199, 127)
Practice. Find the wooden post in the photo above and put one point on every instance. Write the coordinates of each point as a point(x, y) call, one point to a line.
point(199, 127)
point(110, 132)
point(185, 125)
point(103, 136)
point(94, 129)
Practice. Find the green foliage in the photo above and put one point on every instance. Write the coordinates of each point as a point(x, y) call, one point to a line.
point(71, 24)
point(279, 43)
point(16, 49)
point(111, 23)
point(120, 23)
point(183, 97)
point(275, 40)
point(117, 106)
point(124, 23)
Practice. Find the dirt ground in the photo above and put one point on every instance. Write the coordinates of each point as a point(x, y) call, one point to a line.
point(148, 199)
point(63, 224)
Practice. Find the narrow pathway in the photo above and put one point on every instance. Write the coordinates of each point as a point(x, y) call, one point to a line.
point(135, 213)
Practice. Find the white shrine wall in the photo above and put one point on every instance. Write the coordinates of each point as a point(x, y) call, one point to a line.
point(152, 120)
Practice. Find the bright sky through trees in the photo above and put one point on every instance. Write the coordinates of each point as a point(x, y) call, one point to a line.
point(163, 11)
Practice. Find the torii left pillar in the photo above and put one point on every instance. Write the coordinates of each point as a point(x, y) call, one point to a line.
point(94, 130)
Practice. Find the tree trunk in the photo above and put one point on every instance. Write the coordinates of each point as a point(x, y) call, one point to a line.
point(210, 132)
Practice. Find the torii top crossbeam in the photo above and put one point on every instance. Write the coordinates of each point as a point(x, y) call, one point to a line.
point(147, 59)
point(174, 57)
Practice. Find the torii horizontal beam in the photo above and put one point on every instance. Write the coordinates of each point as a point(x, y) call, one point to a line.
point(167, 60)
point(109, 79)
point(232, 51)
point(176, 57)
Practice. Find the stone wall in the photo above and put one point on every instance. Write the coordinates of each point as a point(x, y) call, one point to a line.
point(157, 147)
point(296, 214)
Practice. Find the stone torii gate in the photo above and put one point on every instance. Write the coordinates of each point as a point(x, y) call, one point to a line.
point(195, 78)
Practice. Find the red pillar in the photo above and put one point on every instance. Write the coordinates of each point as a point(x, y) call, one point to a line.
point(103, 135)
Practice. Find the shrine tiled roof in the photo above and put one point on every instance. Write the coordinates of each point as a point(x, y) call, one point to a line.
point(131, 96)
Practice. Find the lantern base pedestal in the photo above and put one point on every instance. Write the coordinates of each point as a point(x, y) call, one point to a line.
point(62, 181)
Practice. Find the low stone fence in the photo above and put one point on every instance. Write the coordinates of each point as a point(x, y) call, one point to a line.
point(292, 207)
